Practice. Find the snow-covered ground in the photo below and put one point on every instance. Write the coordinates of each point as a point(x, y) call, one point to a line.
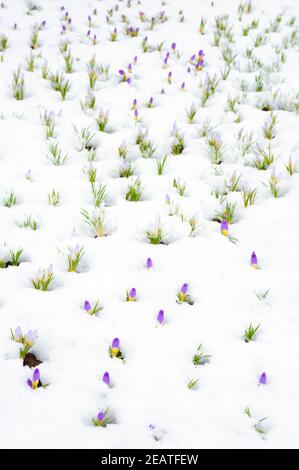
point(235, 64)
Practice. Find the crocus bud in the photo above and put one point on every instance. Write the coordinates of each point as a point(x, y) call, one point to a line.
point(254, 261)
point(18, 334)
point(224, 228)
point(149, 263)
point(100, 416)
point(131, 296)
point(106, 378)
point(115, 347)
point(35, 382)
point(183, 292)
point(263, 379)
point(173, 46)
point(87, 306)
point(161, 316)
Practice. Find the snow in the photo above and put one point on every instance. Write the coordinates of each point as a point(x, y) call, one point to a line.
point(149, 388)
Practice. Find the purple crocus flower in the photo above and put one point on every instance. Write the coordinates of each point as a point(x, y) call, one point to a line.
point(149, 263)
point(131, 296)
point(100, 416)
point(254, 261)
point(44, 23)
point(161, 316)
point(263, 379)
point(18, 334)
point(173, 46)
point(35, 382)
point(135, 60)
point(184, 289)
point(116, 343)
point(106, 378)
point(170, 77)
point(87, 306)
point(115, 347)
point(224, 227)
point(183, 86)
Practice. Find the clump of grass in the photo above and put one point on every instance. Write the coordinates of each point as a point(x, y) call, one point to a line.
point(249, 196)
point(274, 185)
point(53, 198)
point(126, 170)
point(43, 279)
point(86, 138)
point(96, 221)
point(245, 142)
point(227, 213)
point(156, 234)
point(209, 87)
point(3, 43)
point(269, 127)
point(161, 165)
point(179, 186)
point(215, 148)
point(60, 84)
point(55, 156)
point(191, 113)
point(200, 358)
point(135, 191)
point(18, 85)
point(10, 200)
point(15, 257)
point(89, 102)
point(99, 194)
point(29, 222)
point(102, 120)
point(193, 384)
point(74, 257)
point(265, 158)
point(291, 167)
point(48, 122)
point(250, 333)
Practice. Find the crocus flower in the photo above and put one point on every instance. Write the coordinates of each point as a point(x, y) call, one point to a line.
point(183, 86)
point(149, 263)
point(254, 261)
point(87, 306)
point(183, 292)
point(263, 379)
point(115, 347)
point(224, 228)
point(134, 104)
point(173, 46)
point(35, 382)
point(106, 378)
point(161, 317)
point(100, 416)
point(169, 78)
point(18, 336)
point(30, 338)
point(131, 296)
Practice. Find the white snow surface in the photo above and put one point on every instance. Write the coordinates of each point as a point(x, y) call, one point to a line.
point(151, 386)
